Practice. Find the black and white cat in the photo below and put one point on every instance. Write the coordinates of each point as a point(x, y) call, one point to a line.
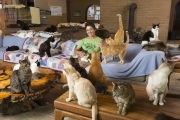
point(151, 34)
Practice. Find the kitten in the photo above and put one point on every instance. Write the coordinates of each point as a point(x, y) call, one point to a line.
point(51, 29)
point(80, 89)
point(119, 36)
point(20, 80)
point(74, 62)
point(115, 50)
point(12, 48)
point(152, 34)
point(157, 85)
point(67, 35)
point(96, 74)
point(23, 25)
point(124, 96)
point(155, 45)
point(46, 47)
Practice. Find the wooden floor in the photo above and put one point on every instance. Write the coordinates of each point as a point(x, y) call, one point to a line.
point(141, 110)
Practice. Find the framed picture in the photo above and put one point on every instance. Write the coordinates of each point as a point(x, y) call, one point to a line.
point(77, 13)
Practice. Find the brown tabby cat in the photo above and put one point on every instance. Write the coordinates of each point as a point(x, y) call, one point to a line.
point(96, 74)
point(115, 50)
point(20, 80)
point(124, 96)
point(119, 36)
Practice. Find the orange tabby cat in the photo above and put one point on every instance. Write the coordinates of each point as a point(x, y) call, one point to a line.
point(96, 74)
point(119, 36)
point(115, 50)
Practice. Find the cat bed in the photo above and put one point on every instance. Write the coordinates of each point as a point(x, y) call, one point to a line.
point(138, 62)
point(41, 86)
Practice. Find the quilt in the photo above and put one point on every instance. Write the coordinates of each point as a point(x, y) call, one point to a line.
point(56, 62)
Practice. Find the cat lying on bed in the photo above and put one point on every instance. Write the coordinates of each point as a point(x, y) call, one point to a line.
point(115, 50)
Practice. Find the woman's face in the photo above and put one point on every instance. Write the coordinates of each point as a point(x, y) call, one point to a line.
point(90, 31)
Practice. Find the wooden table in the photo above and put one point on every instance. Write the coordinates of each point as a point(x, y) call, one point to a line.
point(108, 110)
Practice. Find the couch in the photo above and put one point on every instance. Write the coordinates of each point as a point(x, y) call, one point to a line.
point(138, 62)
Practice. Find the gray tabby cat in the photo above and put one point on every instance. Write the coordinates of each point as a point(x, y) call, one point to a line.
point(20, 80)
point(124, 96)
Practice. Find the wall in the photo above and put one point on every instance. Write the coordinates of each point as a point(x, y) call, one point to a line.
point(45, 5)
point(80, 5)
point(147, 12)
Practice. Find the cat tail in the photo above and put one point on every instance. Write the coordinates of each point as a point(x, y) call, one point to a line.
point(94, 111)
point(127, 40)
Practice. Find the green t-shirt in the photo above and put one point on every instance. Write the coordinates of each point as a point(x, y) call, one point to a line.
point(89, 45)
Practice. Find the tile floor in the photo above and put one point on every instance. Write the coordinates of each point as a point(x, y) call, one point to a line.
point(45, 112)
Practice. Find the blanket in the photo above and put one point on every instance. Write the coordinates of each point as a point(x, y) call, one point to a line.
point(143, 64)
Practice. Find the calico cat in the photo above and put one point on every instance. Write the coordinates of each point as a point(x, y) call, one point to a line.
point(96, 74)
point(52, 28)
point(23, 25)
point(20, 80)
point(151, 34)
point(67, 35)
point(12, 48)
point(46, 47)
point(124, 96)
point(81, 89)
point(157, 85)
point(74, 62)
point(155, 45)
point(115, 50)
point(119, 36)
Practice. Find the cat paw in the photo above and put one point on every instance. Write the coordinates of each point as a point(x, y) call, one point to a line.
point(161, 103)
point(154, 103)
point(68, 99)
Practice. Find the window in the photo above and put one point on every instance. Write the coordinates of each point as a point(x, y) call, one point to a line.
point(93, 12)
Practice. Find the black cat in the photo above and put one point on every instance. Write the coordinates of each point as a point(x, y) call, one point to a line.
point(74, 62)
point(51, 29)
point(67, 35)
point(102, 33)
point(23, 25)
point(46, 47)
point(12, 48)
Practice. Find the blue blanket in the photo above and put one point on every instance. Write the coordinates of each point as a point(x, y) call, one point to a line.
point(138, 62)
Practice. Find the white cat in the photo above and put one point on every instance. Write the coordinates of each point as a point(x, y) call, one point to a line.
point(158, 83)
point(80, 89)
